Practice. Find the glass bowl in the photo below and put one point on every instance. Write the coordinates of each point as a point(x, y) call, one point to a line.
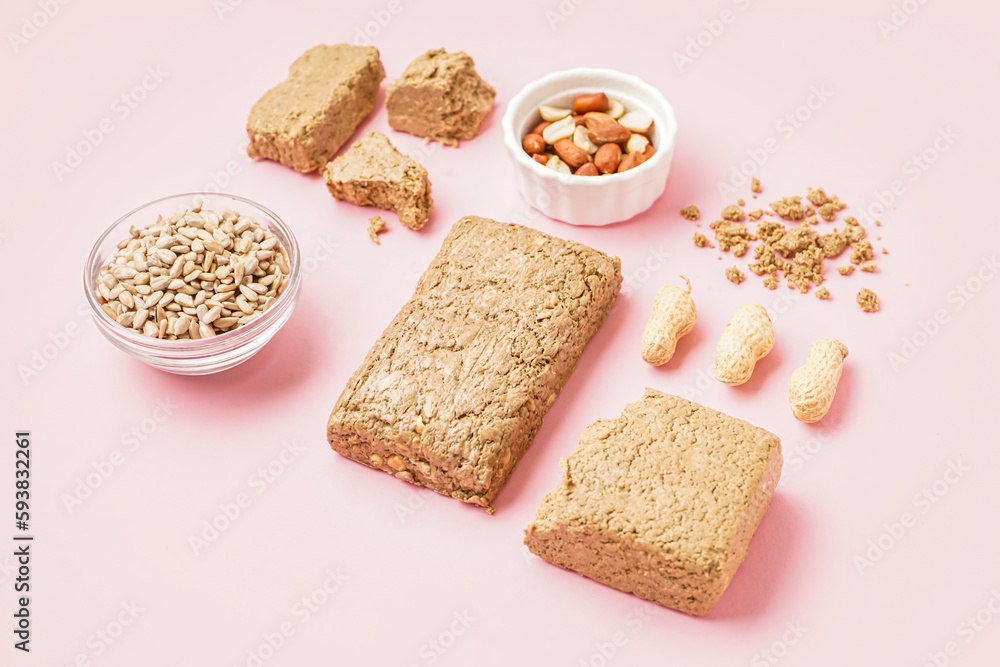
point(206, 355)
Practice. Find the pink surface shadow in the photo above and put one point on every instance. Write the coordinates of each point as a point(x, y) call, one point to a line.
point(273, 374)
point(762, 575)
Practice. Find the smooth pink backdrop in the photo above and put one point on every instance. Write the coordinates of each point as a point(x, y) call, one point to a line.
point(420, 579)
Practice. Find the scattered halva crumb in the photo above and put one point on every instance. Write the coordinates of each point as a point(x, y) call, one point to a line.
point(691, 212)
point(823, 294)
point(732, 213)
point(375, 227)
point(789, 208)
point(702, 241)
point(868, 300)
point(845, 270)
point(734, 275)
point(754, 185)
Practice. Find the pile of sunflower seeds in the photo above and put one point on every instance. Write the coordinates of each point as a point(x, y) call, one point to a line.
point(193, 275)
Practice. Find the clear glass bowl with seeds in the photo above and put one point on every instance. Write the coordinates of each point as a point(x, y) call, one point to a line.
point(193, 283)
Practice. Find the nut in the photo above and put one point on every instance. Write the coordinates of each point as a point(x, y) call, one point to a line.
point(673, 316)
point(561, 129)
point(637, 121)
point(748, 337)
point(570, 153)
point(591, 102)
point(553, 114)
point(603, 129)
point(533, 143)
point(630, 161)
point(812, 387)
point(556, 164)
point(636, 144)
point(581, 139)
point(395, 462)
point(586, 140)
point(607, 157)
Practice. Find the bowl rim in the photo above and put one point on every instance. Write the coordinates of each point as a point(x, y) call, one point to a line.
point(513, 143)
point(203, 346)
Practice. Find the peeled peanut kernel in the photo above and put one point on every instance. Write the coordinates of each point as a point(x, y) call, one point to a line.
point(637, 121)
point(395, 462)
point(630, 161)
point(561, 129)
point(607, 157)
point(540, 127)
point(636, 144)
point(603, 129)
point(591, 102)
point(615, 108)
point(556, 164)
point(553, 113)
point(533, 143)
point(541, 158)
point(571, 154)
point(589, 169)
point(581, 139)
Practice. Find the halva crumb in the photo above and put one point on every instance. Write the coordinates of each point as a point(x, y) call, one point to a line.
point(702, 241)
point(691, 212)
point(845, 270)
point(732, 213)
point(868, 300)
point(788, 208)
point(734, 275)
point(376, 226)
point(754, 185)
point(823, 294)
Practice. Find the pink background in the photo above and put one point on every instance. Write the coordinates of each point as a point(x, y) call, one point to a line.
point(412, 564)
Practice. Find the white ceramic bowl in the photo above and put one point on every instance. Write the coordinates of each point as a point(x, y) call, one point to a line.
point(206, 355)
point(590, 200)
